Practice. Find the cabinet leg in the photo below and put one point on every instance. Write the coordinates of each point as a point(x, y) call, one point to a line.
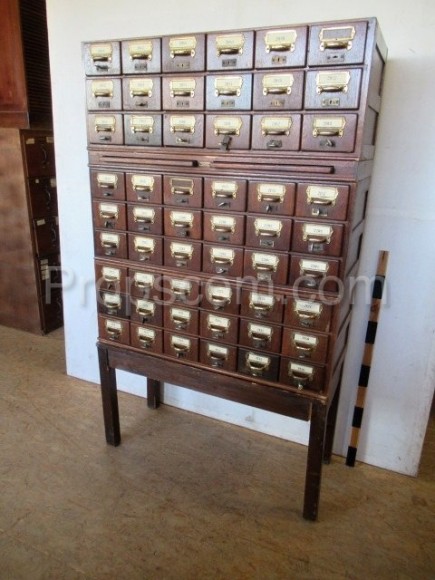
point(153, 393)
point(109, 396)
point(314, 462)
point(330, 427)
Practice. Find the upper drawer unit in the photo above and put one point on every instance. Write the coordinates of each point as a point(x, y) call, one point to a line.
point(230, 50)
point(281, 47)
point(141, 56)
point(337, 44)
point(183, 53)
point(102, 58)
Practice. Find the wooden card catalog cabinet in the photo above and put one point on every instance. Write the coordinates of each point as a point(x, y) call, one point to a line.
point(230, 173)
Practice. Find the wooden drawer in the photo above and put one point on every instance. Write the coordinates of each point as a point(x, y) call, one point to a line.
point(317, 238)
point(144, 283)
point(43, 196)
point(230, 50)
point(109, 215)
point(304, 346)
point(145, 188)
point(183, 224)
point(183, 191)
point(114, 329)
point(278, 91)
point(315, 274)
point(218, 356)
point(108, 184)
point(40, 160)
point(104, 94)
point(271, 197)
point(258, 364)
point(46, 235)
point(268, 233)
point(219, 296)
point(49, 272)
point(260, 336)
point(180, 319)
point(219, 327)
point(181, 346)
point(225, 194)
point(261, 305)
point(105, 129)
point(227, 92)
point(183, 255)
point(52, 311)
point(181, 291)
point(266, 267)
point(276, 132)
point(145, 218)
point(141, 55)
point(142, 94)
point(183, 130)
point(145, 249)
point(339, 44)
point(111, 244)
point(301, 375)
point(146, 337)
point(304, 313)
point(329, 133)
point(333, 89)
point(224, 228)
point(183, 93)
point(113, 304)
point(102, 58)
point(222, 260)
point(281, 47)
point(146, 311)
point(228, 132)
point(183, 53)
point(143, 130)
point(110, 277)
point(322, 201)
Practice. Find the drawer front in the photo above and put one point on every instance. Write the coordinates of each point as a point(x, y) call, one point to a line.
point(281, 47)
point(146, 338)
point(114, 329)
point(315, 274)
point(260, 336)
point(183, 224)
point(39, 155)
point(322, 201)
point(273, 198)
point(222, 260)
point(228, 132)
point(333, 89)
point(268, 233)
point(183, 53)
point(261, 306)
point(49, 273)
point(142, 94)
point(220, 297)
point(183, 130)
point(182, 191)
point(183, 291)
point(304, 346)
point(143, 130)
point(110, 277)
point(108, 184)
point(225, 194)
point(144, 188)
point(308, 314)
point(301, 375)
point(46, 235)
point(141, 55)
point(52, 311)
point(278, 91)
point(145, 283)
point(183, 255)
point(276, 132)
point(230, 51)
point(43, 196)
point(266, 267)
point(105, 129)
point(218, 356)
point(109, 215)
point(180, 319)
point(227, 92)
point(147, 249)
point(104, 94)
point(183, 93)
point(110, 244)
point(337, 44)
point(145, 218)
point(258, 364)
point(225, 228)
point(219, 327)
point(321, 239)
point(146, 311)
point(113, 304)
point(102, 58)
point(181, 346)
point(329, 133)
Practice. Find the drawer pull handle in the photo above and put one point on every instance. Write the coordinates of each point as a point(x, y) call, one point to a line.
point(146, 341)
point(216, 357)
point(182, 190)
point(222, 260)
point(257, 365)
point(317, 234)
point(320, 195)
point(146, 311)
point(336, 38)
point(300, 376)
point(182, 124)
point(180, 345)
point(224, 194)
point(305, 315)
point(142, 50)
point(305, 345)
point(182, 46)
point(230, 44)
point(262, 266)
point(227, 126)
point(262, 337)
point(44, 156)
point(114, 333)
point(329, 126)
point(267, 229)
point(280, 40)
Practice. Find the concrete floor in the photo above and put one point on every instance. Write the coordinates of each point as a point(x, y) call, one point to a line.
point(184, 497)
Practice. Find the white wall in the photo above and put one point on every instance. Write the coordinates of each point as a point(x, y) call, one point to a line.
point(400, 218)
